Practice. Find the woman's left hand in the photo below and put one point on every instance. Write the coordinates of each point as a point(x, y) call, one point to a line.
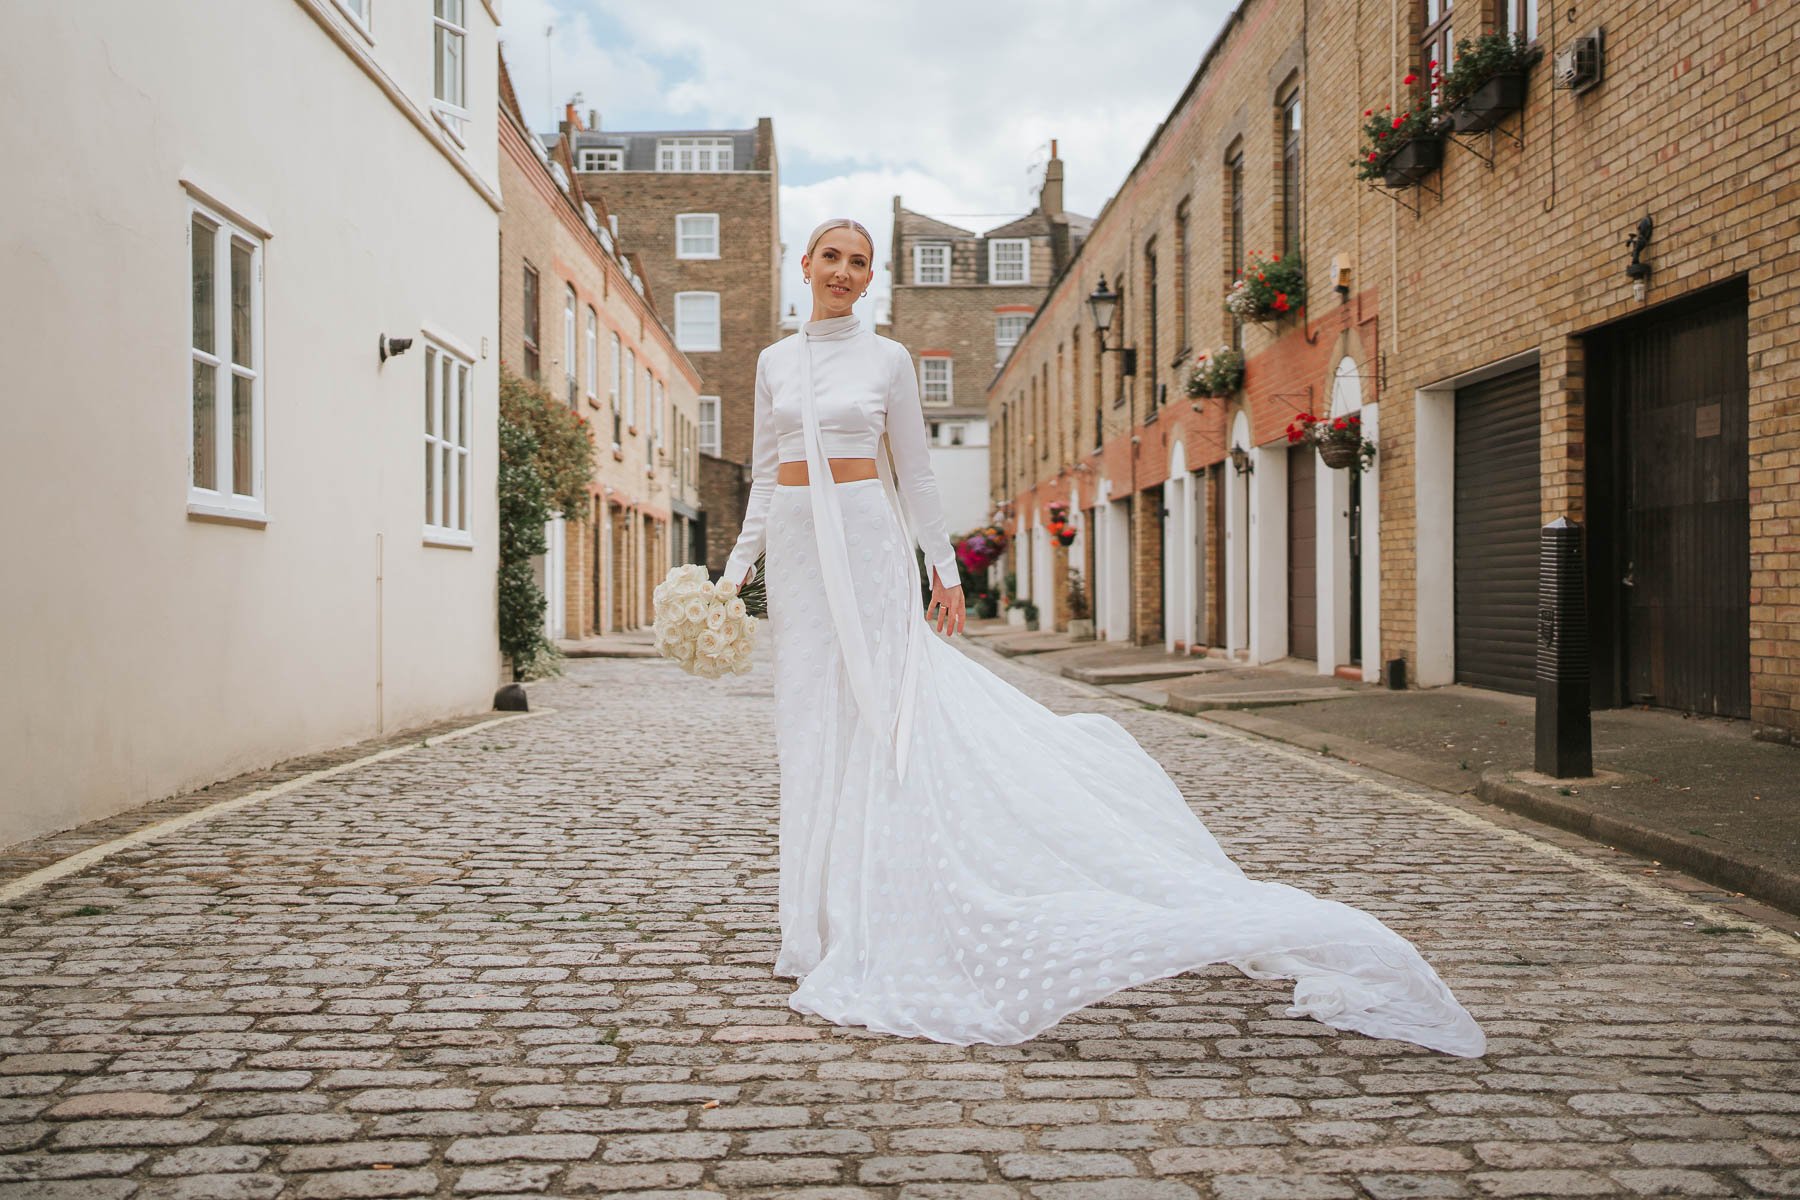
point(946, 608)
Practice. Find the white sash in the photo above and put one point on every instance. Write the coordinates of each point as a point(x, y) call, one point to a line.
point(840, 595)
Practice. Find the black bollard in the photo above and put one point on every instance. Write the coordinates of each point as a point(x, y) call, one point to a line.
point(1565, 729)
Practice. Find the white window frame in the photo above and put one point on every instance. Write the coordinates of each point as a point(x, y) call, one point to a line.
point(449, 487)
point(708, 233)
point(920, 269)
point(593, 356)
point(709, 425)
point(569, 346)
point(994, 245)
point(630, 389)
point(685, 338)
point(226, 501)
point(685, 154)
point(363, 21)
point(612, 396)
point(1002, 348)
point(928, 385)
point(615, 155)
point(451, 111)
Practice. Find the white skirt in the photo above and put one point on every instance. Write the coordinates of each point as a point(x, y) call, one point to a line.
point(1030, 863)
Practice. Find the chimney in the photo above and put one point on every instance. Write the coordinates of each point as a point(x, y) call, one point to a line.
point(593, 118)
point(1050, 197)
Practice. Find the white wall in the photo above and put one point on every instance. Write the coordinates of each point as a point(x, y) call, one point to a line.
point(962, 479)
point(152, 652)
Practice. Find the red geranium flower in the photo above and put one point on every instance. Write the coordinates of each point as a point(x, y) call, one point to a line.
point(1410, 78)
point(1281, 302)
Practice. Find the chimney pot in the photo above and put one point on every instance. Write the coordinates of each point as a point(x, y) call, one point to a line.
point(593, 119)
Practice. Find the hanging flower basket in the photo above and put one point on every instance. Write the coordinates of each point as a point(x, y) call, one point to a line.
point(1059, 526)
point(1339, 440)
point(1267, 290)
point(1216, 373)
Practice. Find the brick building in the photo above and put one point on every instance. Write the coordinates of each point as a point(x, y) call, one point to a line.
point(577, 316)
point(1507, 367)
point(700, 210)
point(959, 302)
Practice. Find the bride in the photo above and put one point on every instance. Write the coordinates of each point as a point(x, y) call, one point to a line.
point(958, 862)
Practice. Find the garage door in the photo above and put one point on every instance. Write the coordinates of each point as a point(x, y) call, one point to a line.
point(1497, 523)
point(1303, 557)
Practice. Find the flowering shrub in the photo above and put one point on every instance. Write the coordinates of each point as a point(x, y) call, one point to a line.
point(1216, 373)
point(979, 550)
point(1267, 289)
point(1332, 437)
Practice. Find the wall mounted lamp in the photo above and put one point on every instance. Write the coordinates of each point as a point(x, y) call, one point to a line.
point(1340, 275)
point(392, 346)
point(1240, 460)
point(1102, 302)
point(1637, 270)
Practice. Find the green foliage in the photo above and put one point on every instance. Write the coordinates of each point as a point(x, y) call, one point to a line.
point(1267, 289)
point(546, 467)
point(1482, 59)
point(1078, 597)
point(1217, 373)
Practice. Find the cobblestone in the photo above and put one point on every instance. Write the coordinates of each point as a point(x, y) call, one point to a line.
point(535, 961)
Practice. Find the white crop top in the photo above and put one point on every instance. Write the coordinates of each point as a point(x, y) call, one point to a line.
point(863, 384)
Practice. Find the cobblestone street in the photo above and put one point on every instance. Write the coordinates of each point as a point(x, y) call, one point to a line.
point(513, 962)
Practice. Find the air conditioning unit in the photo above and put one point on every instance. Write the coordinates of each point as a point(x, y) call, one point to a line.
point(1579, 64)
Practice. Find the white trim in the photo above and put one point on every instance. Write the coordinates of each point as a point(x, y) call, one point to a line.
point(919, 268)
point(449, 491)
point(239, 215)
point(710, 446)
point(679, 235)
point(721, 152)
point(225, 501)
point(682, 342)
point(1003, 349)
point(925, 381)
point(611, 153)
point(994, 245)
point(364, 24)
point(449, 341)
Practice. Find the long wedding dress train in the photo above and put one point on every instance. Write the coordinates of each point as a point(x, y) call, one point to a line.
point(1028, 863)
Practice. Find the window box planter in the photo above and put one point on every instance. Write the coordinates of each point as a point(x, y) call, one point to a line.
point(1412, 161)
point(1489, 104)
point(1216, 374)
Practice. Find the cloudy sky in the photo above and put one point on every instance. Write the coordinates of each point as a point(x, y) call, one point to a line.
point(950, 104)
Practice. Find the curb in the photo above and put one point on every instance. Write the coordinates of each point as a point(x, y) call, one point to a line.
point(1759, 880)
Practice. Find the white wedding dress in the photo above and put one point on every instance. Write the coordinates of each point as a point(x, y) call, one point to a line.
point(958, 862)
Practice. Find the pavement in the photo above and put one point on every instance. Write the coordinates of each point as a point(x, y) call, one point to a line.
point(1697, 793)
point(531, 956)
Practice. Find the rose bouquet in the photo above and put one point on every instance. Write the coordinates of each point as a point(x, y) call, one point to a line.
point(703, 626)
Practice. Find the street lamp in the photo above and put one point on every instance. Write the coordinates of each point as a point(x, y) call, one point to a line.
point(1102, 302)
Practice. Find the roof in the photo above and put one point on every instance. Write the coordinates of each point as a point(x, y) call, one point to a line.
point(640, 144)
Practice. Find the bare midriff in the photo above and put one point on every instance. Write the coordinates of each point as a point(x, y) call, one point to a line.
point(842, 469)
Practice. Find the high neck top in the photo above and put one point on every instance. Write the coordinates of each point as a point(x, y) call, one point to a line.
point(832, 328)
point(864, 388)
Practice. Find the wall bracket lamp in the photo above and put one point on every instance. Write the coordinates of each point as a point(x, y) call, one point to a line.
point(392, 346)
point(1102, 302)
point(1637, 270)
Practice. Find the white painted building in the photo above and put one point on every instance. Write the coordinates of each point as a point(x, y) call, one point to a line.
point(235, 534)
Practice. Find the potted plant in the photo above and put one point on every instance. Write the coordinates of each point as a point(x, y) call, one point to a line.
point(1267, 289)
point(1488, 80)
point(1081, 617)
point(1216, 373)
point(1339, 440)
point(1059, 525)
point(1031, 613)
point(1402, 150)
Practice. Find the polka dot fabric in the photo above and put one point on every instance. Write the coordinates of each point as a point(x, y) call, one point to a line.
point(1030, 863)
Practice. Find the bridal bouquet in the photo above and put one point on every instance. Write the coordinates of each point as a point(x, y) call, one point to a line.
point(702, 625)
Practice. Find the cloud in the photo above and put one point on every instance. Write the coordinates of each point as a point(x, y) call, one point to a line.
point(950, 105)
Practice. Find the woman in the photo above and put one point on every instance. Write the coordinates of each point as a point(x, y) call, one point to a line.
point(957, 861)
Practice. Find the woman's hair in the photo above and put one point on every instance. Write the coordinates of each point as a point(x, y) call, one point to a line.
point(838, 223)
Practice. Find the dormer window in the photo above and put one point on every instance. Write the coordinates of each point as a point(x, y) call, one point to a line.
point(601, 158)
point(1009, 260)
point(693, 154)
point(931, 263)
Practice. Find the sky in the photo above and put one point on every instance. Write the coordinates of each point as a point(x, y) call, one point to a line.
point(950, 105)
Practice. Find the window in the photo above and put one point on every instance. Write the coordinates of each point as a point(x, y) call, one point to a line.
point(358, 11)
point(1150, 314)
point(1008, 329)
point(1234, 233)
point(569, 343)
point(618, 368)
point(601, 158)
point(1181, 276)
point(1009, 260)
point(693, 154)
point(225, 341)
point(697, 235)
point(697, 320)
point(709, 425)
point(931, 263)
point(447, 428)
point(1519, 16)
point(631, 390)
point(949, 433)
point(1290, 174)
point(1439, 44)
point(935, 379)
point(531, 322)
point(448, 35)
point(593, 353)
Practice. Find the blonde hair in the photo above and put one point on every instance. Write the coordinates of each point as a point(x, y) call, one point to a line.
point(838, 223)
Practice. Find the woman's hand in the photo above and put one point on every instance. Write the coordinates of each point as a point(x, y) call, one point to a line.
point(946, 607)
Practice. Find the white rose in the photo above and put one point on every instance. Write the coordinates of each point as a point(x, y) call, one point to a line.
point(715, 616)
point(695, 611)
point(735, 607)
point(710, 643)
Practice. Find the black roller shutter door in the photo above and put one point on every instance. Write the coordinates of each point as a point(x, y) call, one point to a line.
point(1497, 523)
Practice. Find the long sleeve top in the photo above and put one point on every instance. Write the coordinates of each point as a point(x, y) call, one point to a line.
point(863, 385)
